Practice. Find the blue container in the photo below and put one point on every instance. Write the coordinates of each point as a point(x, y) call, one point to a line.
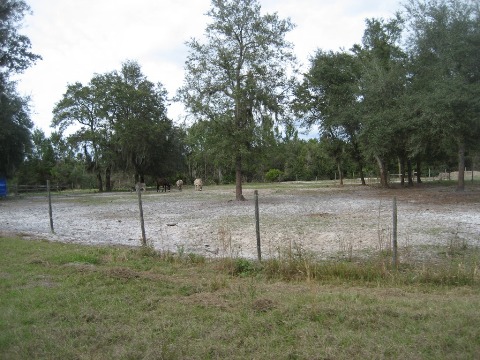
point(3, 187)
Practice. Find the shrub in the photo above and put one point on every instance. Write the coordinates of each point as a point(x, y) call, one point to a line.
point(273, 175)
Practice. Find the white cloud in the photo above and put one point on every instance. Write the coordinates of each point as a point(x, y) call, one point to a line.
point(80, 38)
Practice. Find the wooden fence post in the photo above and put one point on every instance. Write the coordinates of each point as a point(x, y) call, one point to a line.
point(142, 223)
point(394, 234)
point(257, 226)
point(50, 207)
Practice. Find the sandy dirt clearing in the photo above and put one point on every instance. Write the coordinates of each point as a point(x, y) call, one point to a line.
point(329, 221)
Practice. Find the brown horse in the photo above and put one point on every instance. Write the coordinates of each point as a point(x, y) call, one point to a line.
point(164, 184)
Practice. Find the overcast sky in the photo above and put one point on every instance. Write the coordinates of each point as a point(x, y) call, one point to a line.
point(79, 38)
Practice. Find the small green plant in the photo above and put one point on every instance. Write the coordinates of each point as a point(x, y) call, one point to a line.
point(273, 175)
point(238, 266)
point(457, 244)
point(180, 251)
point(346, 247)
point(147, 251)
point(196, 259)
point(217, 283)
point(243, 267)
point(77, 258)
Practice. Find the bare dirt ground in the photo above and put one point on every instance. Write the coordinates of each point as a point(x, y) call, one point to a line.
point(329, 221)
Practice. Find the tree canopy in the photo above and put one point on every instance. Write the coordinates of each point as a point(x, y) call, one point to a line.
point(406, 98)
point(444, 44)
point(15, 57)
point(389, 102)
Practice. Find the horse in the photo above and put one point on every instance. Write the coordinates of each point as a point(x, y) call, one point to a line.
point(139, 186)
point(164, 184)
point(179, 184)
point(198, 184)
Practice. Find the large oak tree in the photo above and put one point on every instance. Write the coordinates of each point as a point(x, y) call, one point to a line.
point(119, 120)
point(239, 77)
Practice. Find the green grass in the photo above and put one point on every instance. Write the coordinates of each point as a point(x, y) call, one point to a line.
point(64, 301)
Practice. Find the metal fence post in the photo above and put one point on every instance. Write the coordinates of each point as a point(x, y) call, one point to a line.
point(142, 223)
point(257, 226)
point(394, 233)
point(50, 206)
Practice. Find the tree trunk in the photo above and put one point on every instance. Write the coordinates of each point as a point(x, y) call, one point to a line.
point(383, 171)
point(362, 176)
point(461, 166)
point(401, 170)
point(419, 171)
point(99, 181)
point(108, 182)
point(340, 175)
point(358, 159)
point(220, 175)
point(410, 172)
point(238, 178)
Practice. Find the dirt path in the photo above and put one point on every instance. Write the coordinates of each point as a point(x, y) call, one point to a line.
point(330, 221)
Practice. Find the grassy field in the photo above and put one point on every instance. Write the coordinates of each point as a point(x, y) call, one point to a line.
point(63, 301)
